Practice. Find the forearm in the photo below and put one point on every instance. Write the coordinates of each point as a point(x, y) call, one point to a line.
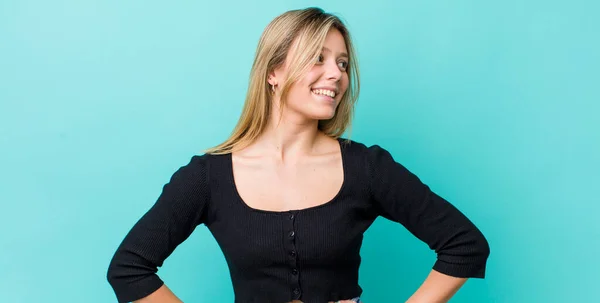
point(161, 295)
point(437, 288)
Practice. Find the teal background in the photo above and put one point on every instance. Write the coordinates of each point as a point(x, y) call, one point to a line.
point(494, 104)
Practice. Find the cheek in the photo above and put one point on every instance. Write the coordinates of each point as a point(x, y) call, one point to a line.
point(344, 83)
point(298, 95)
point(311, 76)
point(303, 85)
point(299, 90)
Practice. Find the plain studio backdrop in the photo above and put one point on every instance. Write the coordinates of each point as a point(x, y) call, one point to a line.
point(494, 104)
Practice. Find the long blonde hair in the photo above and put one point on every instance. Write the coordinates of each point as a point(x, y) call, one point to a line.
point(303, 32)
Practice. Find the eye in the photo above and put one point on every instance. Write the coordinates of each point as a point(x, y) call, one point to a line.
point(343, 64)
point(320, 59)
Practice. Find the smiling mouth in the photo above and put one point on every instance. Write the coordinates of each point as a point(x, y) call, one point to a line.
point(326, 98)
point(324, 92)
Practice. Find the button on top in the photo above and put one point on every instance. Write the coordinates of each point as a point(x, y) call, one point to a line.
point(292, 217)
point(296, 293)
point(294, 271)
point(293, 253)
point(292, 234)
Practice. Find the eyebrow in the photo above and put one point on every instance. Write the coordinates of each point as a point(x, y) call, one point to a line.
point(342, 54)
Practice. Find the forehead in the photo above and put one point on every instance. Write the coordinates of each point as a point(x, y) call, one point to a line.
point(335, 42)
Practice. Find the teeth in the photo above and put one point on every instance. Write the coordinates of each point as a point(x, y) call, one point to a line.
point(325, 92)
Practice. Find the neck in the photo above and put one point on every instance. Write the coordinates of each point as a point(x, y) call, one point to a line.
point(290, 136)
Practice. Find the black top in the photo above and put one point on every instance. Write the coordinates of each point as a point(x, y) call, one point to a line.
point(310, 254)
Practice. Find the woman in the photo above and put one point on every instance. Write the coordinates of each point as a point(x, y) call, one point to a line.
point(286, 198)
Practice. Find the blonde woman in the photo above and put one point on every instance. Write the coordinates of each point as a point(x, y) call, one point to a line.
point(286, 197)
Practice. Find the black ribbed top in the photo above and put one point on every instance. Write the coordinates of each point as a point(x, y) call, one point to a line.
point(310, 254)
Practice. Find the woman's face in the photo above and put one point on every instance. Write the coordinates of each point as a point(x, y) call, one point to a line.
point(317, 94)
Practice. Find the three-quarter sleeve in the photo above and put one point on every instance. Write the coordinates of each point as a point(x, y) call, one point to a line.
point(178, 210)
point(400, 196)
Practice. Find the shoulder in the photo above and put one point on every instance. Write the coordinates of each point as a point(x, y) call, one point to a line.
point(192, 171)
point(196, 164)
point(368, 152)
point(372, 159)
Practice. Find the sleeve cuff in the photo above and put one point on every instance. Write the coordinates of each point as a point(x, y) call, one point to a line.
point(130, 291)
point(474, 270)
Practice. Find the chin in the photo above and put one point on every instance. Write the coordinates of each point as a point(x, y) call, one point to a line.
point(317, 111)
point(322, 115)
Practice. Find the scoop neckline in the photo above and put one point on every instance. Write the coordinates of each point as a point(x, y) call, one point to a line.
point(241, 201)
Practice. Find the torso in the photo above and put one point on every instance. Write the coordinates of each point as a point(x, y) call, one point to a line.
point(297, 226)
point(312, 180)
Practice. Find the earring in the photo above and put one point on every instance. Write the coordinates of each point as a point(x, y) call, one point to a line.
point(273, 88)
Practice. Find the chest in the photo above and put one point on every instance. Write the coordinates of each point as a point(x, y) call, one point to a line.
point(272, 187)
point(272, 230)
point(329, 236)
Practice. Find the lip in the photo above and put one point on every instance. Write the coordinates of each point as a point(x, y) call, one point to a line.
point(331, 88)
point(327, 99)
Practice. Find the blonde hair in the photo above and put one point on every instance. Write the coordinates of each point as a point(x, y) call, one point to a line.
point(303, 32)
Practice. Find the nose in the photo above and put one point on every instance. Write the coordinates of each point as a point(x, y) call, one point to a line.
point(332, 71)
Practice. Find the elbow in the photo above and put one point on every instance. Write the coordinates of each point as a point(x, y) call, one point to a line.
point(114, 274)
point(480, 249)
point(111, 276)
point(479, 256)
point(477, 252)
point(119, 275)
point(484, 248)
point(131, 279)
point(465, 259)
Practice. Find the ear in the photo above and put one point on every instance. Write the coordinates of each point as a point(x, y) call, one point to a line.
point(274, 76)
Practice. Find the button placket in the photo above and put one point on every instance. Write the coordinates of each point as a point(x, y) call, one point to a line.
point(293, 256)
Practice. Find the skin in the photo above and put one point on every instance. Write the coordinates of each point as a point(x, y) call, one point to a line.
point(293, 165)
point(293, 155)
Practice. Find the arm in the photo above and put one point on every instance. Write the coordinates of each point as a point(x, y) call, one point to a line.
point(170, 221)
point(437, 288)
point(162, 295)
point(461, 248)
